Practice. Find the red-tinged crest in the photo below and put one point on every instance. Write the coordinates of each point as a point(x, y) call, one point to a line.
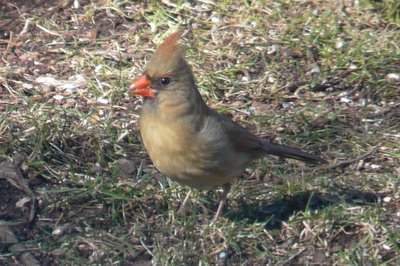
point(170, 45)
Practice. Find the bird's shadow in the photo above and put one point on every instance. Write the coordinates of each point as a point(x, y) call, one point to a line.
point(273, 214)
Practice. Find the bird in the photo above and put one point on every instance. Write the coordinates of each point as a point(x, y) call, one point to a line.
point(188, 141)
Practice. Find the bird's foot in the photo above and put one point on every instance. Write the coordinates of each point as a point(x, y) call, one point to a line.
point(225, 191)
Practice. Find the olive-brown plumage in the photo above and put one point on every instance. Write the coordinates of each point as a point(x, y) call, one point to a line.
point(186, 140)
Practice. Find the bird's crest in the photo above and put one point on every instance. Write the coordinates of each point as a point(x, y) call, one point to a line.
point(169, 48)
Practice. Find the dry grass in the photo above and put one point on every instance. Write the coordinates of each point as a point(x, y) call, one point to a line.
point(316, 74)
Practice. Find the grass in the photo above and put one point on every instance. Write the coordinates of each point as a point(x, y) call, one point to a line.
point(311, 74)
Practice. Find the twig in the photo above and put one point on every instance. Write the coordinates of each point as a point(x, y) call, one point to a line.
point(350, 161)
point(3, 57)
point(294, 256)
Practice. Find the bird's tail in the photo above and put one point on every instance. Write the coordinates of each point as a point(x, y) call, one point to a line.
point(293, 153)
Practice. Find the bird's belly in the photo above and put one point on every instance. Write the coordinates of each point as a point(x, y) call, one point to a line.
point(187, 160)
point(192, 173)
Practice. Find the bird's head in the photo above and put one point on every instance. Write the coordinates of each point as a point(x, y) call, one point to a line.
point(167, 72)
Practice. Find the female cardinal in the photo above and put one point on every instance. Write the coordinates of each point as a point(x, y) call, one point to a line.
point(186, 140)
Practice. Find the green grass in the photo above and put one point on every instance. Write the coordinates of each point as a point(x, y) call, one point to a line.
point(306, 73)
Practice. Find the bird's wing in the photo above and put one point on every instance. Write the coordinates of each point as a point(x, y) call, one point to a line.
point(244, 140)
point(241, 138)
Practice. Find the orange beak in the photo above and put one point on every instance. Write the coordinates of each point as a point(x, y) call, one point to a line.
point(142, 86)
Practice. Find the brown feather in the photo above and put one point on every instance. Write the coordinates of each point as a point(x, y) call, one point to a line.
point(168, 57)
point(169, 61)
point(170, 45)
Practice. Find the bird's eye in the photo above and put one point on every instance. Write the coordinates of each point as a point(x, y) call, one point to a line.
point(165, 81)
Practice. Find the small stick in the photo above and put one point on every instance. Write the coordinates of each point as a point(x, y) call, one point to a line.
point(350, 161)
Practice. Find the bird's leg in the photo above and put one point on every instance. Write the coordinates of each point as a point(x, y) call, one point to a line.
point(225, 191)
point(182, 208)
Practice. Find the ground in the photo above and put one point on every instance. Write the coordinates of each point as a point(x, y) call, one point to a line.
point(77, 186)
